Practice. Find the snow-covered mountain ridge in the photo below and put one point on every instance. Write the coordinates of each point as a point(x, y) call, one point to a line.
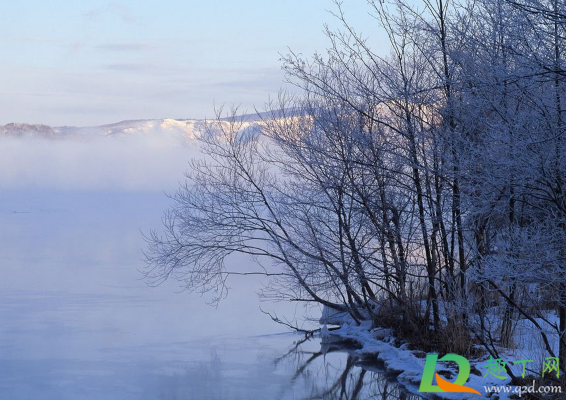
point(182, 127)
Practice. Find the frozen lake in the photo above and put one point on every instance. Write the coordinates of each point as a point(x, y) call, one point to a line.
point(78, 322)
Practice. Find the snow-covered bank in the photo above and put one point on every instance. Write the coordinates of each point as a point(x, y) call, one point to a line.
point(408, 364)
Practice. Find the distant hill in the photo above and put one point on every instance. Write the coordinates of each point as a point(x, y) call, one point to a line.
point(27, 130)
point(185, 128)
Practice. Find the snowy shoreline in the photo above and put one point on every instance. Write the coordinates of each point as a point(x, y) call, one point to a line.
point(408, 364)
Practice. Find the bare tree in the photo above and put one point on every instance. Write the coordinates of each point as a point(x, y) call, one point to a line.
point(424, 188)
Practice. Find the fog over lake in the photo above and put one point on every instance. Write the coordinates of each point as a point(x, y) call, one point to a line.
point(77, 321)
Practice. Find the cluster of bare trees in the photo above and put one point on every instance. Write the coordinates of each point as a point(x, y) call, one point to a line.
point(428, 183)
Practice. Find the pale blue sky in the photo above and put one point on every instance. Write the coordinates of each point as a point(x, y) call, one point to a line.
point(69, 62)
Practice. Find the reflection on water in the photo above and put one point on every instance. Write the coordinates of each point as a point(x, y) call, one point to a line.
point(251, 368)
point(77, 323)
point(335, 371)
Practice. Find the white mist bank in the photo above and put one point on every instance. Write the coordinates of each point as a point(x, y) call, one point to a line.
point(149, 162)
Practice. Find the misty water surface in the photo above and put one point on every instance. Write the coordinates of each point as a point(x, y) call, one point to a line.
point(78, 322)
